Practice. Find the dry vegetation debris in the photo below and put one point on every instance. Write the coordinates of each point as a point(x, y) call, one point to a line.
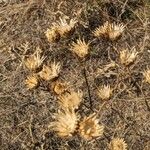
point(75, 74)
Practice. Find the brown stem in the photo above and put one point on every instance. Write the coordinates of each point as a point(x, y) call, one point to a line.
point(88, 87)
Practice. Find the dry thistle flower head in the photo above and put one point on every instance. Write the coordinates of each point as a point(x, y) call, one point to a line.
point(59, 87)
point(64, 28)
point(105, 92)
point(70, 100)
point(52, 34)
point(102, 30)
point(65, 123)
point(34, 62)
point(146, 75)
point(128, 57)
point(31, 81)
point(50, 72)
point(118, 144)
point(109, 30)
point(89, 127)
point(115, 31)
point(80, 48)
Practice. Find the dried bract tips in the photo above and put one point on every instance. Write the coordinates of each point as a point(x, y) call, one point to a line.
point(80, 48)
point(52, 34)
point(128, 57)
point(31, 81)
point(34, 62)
point(65, 123)
point(70, 100)
point(50, 72)
point(105, 92)
point(89, 128)
point(146, 75)
point(117, 144)
point(64, 27)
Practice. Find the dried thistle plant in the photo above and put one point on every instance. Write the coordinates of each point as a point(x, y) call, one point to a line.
point(70, 100)
point(59, 87)
point(146, 75)
point(65, 123)
point(105, 92)
point(64, 27)
point(31, 81)
point(109, 30)
point(118, 144)
point(89, 128)
point(80, 48)
point(34, 62)
point(52, 34)
point(50, 72)
point(128, 57)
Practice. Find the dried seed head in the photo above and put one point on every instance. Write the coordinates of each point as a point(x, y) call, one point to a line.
point(109, 30)
point(65, 123)
point(34, 62)
point(128, 57)
point(146, 75)
point(80, 48)
point(89, 128)
point(70, 100)
point(50, 72)
point(64, 28)
point(102, 30)
point(59, 87)
point(115, 31)
point(118, 144)
point(105, 92)
point(52, 34)
point(31, 81)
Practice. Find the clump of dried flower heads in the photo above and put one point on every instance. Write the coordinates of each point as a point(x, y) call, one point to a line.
point(62, 28)
point(35, 64)
point(118, 144)
point(109, 30)
point(65, 26)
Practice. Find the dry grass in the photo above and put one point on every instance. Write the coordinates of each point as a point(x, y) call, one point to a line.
point(26, 112)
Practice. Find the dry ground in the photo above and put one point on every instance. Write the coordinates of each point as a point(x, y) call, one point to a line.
point(25, 115)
